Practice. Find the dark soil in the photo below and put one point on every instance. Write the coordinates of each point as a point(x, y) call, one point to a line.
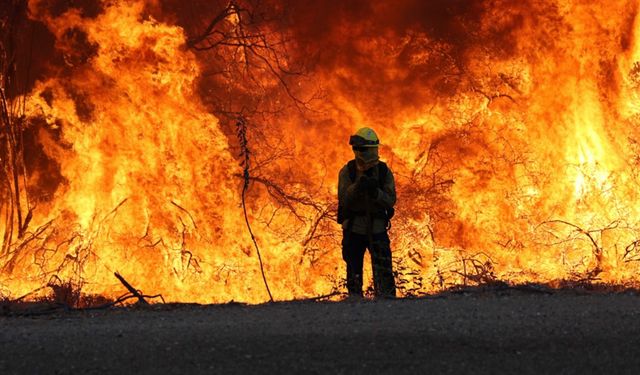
point(479, 333)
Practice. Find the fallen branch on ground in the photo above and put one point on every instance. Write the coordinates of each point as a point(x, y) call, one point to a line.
point(131, 289)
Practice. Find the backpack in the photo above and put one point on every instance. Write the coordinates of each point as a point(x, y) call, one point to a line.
point(383, 170)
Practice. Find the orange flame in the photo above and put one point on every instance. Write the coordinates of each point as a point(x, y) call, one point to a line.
point(512, 134)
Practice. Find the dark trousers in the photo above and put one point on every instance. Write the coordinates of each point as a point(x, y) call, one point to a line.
point(353, 248)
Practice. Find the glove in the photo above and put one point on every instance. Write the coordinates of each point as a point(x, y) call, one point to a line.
point(370, 186)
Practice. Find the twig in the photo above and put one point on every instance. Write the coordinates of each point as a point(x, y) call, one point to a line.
point(119, 300)
point(318, 298)
point(185, 211)
point(597, 250)
point(242, 137)
point(131, 289)
point(28, 294)
point(226, 12)
point(57, 307)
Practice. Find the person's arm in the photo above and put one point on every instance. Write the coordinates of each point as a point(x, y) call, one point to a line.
point(387, 195)
point(343, 185)
point(347, 190)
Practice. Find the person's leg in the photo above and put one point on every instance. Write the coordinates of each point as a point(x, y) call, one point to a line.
point(381, 263)
point(353, 248)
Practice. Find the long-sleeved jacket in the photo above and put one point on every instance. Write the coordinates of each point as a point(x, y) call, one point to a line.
point(353, 200)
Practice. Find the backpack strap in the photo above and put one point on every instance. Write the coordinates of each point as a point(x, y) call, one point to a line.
point(383, 171)
point(382, 174)
point(351, 166)
point(343, 213)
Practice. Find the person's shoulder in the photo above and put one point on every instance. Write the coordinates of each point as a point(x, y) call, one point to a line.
point(345, 168)
point(385, 165)
point(388, 172)
point(347, 164)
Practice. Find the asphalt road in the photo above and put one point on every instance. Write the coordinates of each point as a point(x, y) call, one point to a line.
point(480, 334)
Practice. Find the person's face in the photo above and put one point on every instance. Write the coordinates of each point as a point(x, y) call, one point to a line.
point(366, 155)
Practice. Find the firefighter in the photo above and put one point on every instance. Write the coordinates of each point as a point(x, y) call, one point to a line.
point(366, 196)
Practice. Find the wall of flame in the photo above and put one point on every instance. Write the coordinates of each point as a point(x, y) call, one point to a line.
point(511, 128)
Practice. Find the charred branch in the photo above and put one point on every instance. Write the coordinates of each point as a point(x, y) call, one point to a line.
point(210, 30)
point(631, 252)
point(592, 237)
point(245, 153)
point(185, 211)
point(247, 54)
point(131, 289)
point(14, 199)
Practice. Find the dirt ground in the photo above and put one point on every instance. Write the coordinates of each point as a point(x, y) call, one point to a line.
point(523, 333)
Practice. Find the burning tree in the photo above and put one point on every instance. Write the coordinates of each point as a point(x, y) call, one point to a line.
point(15, 202)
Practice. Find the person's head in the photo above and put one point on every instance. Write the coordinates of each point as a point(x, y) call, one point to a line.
point(365, 144)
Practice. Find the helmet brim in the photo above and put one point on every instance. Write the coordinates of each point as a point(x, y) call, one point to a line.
point(358, 141)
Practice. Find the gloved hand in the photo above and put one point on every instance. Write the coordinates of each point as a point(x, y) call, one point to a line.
point(369, 185)
point(361, 184)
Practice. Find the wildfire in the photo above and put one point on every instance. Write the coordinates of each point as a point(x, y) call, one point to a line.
point(512, 130)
